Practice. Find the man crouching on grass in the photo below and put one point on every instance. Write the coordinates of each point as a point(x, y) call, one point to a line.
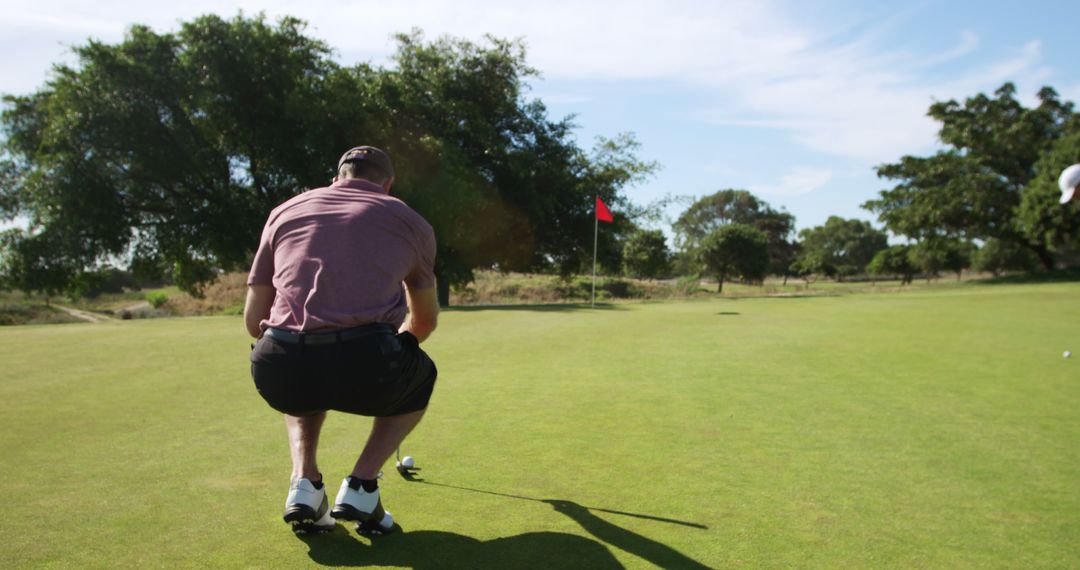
point(336, 270)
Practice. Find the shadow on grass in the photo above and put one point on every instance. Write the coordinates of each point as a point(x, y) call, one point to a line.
point(437, 549)
point(548, 308)
point(728, 313)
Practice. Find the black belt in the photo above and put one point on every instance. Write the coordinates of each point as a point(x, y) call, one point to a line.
point(293, 337)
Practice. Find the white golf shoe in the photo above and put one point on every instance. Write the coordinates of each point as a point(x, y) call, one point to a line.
point(355, 504)
point(306, 508)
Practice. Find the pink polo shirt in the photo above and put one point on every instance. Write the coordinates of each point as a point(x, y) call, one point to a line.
point(338, 256)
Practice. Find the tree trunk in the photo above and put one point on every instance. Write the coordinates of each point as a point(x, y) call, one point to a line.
point(720, 288)
point(442, 287)
point(1045, 257)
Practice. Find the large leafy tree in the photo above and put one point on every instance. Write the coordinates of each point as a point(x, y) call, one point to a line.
point(726, 207)
point(735, 250)
point(997, 257)
point(171, 149)
point(1044, 220)
point(646, 254)
point(932, 255)
point(503, 185)
point(894, 260)
point(972, 189)
point(840, 247)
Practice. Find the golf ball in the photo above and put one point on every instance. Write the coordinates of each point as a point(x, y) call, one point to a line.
point(1067, 354)
point(407, 461)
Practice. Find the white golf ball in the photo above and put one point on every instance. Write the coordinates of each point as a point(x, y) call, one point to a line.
point(407, 461)
point(1067, 354)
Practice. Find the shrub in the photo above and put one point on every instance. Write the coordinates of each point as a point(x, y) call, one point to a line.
point(688, 284)
point(157, 298)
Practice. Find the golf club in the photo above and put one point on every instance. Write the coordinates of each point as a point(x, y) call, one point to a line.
point(406, 467)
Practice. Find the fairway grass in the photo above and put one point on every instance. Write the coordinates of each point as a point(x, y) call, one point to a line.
point(934, 429)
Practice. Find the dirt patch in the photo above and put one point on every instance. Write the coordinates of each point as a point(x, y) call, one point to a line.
point(83, 315)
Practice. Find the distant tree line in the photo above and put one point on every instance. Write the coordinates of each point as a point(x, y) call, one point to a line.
point(158, 158)
point(988, 202)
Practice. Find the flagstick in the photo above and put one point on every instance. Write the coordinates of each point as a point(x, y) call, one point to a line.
point(596, 231)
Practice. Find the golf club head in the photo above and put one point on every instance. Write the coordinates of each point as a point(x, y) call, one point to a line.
point(409, 473)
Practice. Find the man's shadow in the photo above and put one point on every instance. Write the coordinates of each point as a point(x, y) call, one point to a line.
point(425, 549)
point(438, 549)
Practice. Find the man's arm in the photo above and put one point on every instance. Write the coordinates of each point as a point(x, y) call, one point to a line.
point(423, 312)
point(259, 300)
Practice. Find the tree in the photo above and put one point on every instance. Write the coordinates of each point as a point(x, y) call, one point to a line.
point(972, 189)
point(810, 264)
point(997, 256)
point(725, 207)
point(504, 186)
point(782, 257)
point(735, 250)
point(1043, 219)
point(895, 260)
point(840, 247)
point(958, 257)
point(646, 254)
point(170, 149)
point(945, 195)
point(933, 255)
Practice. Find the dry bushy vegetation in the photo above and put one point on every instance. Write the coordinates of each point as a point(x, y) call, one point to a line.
point(494, 288)
point(223, 296)
point(29, 313)
point(226, 295)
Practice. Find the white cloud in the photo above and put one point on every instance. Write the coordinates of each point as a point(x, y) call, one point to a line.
point(828, 85)
point(799, 181)
point(562, 97)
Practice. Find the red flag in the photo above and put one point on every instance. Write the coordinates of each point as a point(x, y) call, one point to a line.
point(602, 213)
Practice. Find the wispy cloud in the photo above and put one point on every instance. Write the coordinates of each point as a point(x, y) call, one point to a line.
point(799, 181)
point(969, 41)
point(826, 84)
point(39, 18)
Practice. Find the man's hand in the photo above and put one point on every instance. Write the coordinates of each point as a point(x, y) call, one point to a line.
point(259, 300)
point(423, 312)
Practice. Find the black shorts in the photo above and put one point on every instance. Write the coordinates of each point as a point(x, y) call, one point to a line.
point(382, 374)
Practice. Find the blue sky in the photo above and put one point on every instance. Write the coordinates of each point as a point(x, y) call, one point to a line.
point(795, 101)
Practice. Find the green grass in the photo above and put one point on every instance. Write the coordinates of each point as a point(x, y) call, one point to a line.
point(931, 429)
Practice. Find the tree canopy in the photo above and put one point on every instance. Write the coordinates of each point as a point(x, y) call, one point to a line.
point(894, 260)
point(730, 206)
point(1044, 220)
point(932, 255)
point(169, 149)
point(735, 250)
point(840, 247)
point(974, 188)
point(646, 254)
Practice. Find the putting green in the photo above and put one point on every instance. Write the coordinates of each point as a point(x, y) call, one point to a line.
point(931, 429)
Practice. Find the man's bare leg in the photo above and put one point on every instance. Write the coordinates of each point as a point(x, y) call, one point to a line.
point(303, 444)
point(387, 433)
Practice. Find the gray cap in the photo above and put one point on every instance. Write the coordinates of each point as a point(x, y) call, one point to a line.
point(368, 154)
point(1068, 181)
